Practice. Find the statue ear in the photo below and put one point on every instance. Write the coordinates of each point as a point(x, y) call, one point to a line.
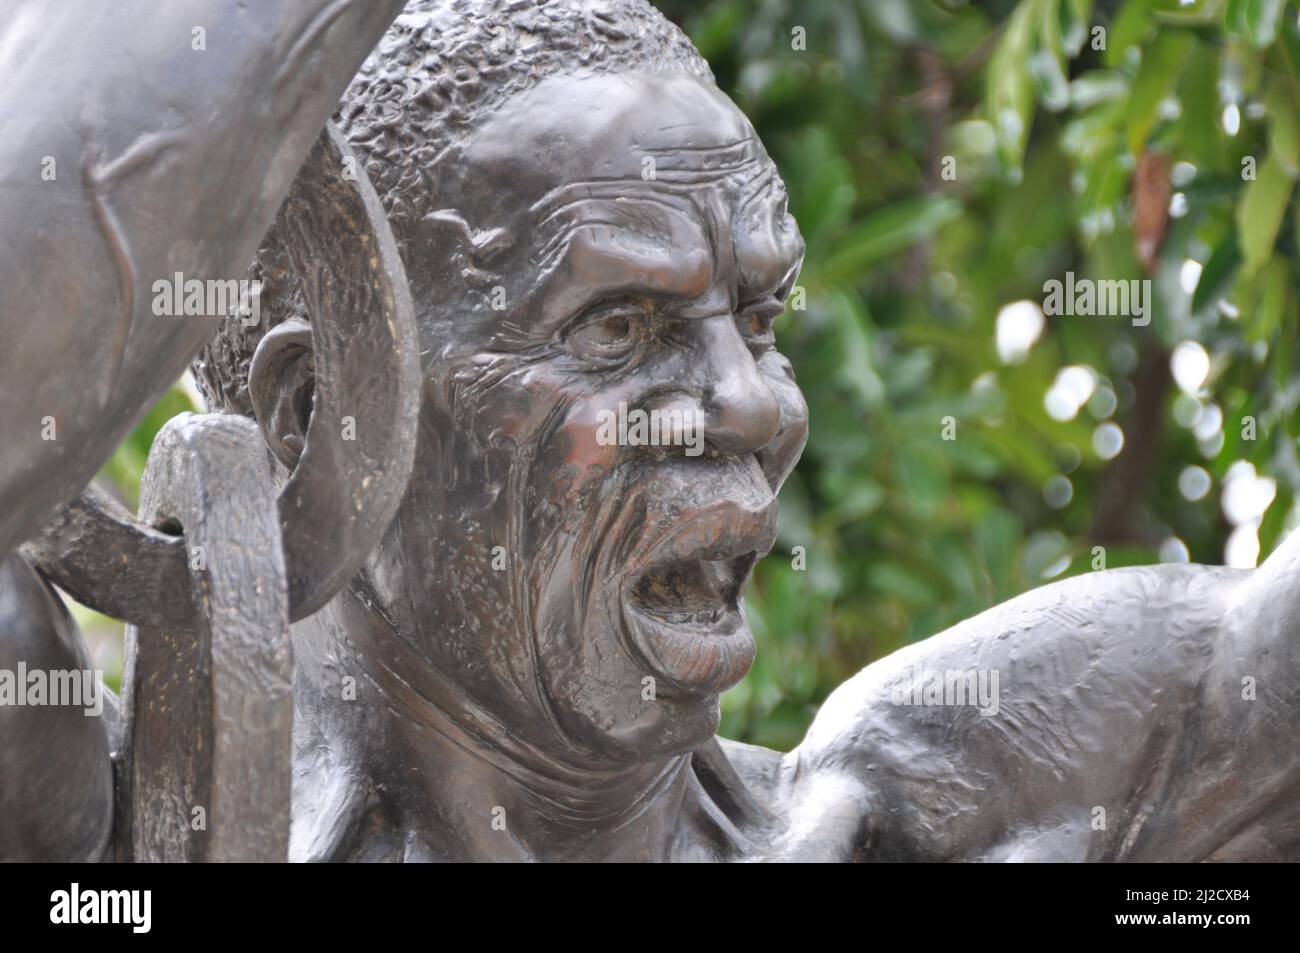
point(282, 386)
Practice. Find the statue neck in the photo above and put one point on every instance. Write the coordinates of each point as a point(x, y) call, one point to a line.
point(464, 786)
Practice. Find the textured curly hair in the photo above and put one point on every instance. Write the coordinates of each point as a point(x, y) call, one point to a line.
point(443, 67)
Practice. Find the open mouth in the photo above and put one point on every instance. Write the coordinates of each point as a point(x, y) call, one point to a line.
point(682, 604)
point(697, 593)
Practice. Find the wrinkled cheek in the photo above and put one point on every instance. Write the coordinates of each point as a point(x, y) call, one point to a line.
point(570, 473)
point(779, 457)
point(589, 434)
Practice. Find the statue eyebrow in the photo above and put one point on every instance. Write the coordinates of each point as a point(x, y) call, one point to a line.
point(626, 275)
point(633, 283)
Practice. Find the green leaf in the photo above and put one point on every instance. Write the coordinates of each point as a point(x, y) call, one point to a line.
point(1162, 65)
point(1098, 86)
point(1200, 128)
point(1273, 302)
point(1009, 97)
point(1129, 28)
point(1284, 118)
point(887, 231)
point(1217, 274)
point(1047, 64)
point(1273, 525)
point(1260, 213)
point(1074, 16)
point(1254, 20)
point(856, 368)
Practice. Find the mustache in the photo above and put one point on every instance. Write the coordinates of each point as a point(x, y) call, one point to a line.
point(711, 507)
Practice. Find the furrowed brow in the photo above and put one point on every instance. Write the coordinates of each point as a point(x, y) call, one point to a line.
point(595, 267)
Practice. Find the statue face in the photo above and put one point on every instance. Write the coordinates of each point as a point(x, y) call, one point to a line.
point(607, 240)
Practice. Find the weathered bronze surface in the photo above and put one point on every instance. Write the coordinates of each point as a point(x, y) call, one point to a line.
point(528, 663)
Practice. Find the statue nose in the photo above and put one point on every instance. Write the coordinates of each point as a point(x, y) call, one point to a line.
point(741, 415)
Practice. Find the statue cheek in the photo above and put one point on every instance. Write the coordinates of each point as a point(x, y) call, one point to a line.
point(570, 461)
point(588, 437)
point(779, 457)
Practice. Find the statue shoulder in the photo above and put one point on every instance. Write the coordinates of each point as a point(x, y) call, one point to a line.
point(56, 803)
point(1048, 695)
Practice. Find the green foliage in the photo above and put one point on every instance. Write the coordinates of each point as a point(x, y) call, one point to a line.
point(1044, 125)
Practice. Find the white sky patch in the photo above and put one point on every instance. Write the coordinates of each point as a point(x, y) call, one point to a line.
point(1058, 567)
point(1103, 402)
point(1231, 119)
point(1019, 326)
point(1190, 364)
point(1108, 441)
point(191, 389)
point(1242, 549)
point(1246, 495)
point(1174, 550)
point(1194, 482)
point(1058, 491)
point(1069, 391)
point(1208, 423)
point(1211, 447)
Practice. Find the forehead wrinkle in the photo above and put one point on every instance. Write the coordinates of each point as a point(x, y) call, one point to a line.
point(698, 177)
point(681, 197)
point(671, 186)
point(558, 215)
point(768, 181)
point(728, 154)
point(717, 147)
point(556, 243)
point(677, 203)
point(558, 199)
point(691, 164)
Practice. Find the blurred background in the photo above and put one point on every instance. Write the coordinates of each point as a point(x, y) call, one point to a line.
point(944, 160)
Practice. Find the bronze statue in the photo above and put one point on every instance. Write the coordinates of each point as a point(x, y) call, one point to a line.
point(527, 665)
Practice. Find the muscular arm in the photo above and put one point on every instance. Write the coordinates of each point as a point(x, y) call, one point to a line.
point(1141, 714)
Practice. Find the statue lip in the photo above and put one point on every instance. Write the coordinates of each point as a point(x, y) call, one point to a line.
point(682, 604)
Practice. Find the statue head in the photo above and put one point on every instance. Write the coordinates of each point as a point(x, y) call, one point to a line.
point(597, 245)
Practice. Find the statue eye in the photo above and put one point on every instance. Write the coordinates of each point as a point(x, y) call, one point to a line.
point(606, 335)
point(755, 324)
